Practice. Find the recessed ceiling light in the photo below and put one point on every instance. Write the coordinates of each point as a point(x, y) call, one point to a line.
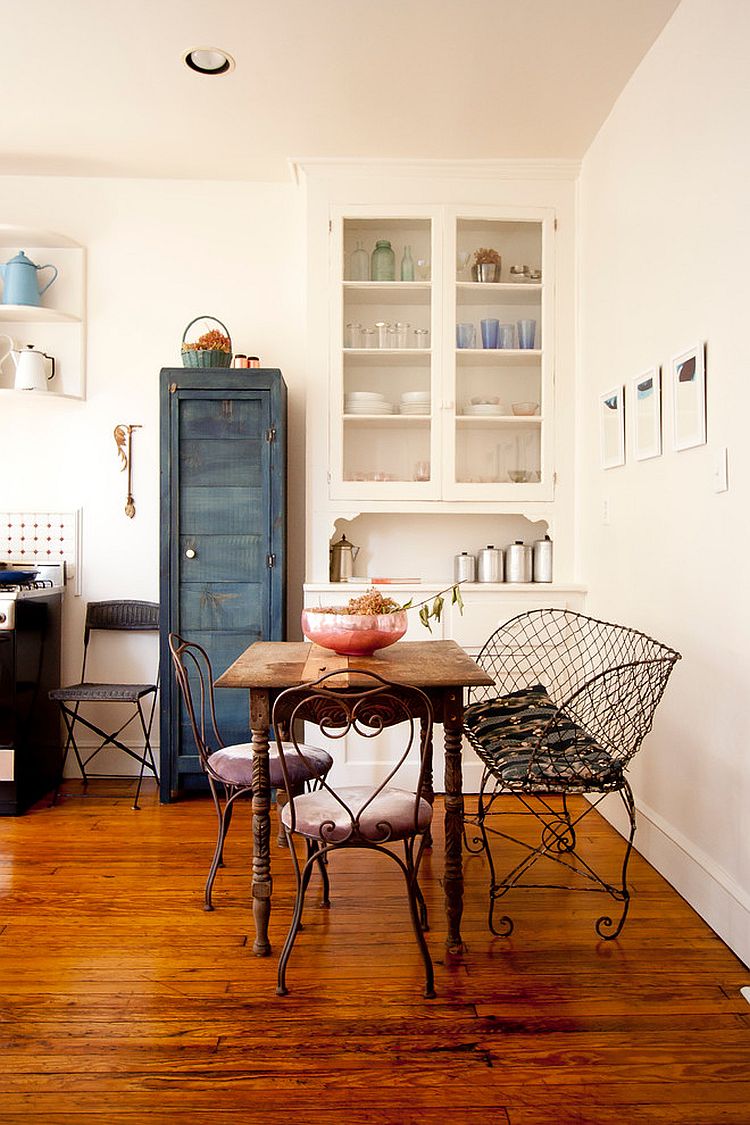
point(208, 60)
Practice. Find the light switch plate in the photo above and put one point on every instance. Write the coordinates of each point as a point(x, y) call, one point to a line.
point(721, 475)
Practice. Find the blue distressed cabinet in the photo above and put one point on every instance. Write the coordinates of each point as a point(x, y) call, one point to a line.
point(223, 537)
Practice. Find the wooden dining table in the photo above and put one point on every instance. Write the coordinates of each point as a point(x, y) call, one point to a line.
point(440, 668)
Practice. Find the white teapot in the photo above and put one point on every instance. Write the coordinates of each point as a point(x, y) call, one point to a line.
point(31, 369)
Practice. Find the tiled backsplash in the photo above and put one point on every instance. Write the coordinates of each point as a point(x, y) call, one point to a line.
point(44, 537)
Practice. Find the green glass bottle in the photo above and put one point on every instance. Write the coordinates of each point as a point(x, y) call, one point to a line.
point(407, 265)
point(383, 267)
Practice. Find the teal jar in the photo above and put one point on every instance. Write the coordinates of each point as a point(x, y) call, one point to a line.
point(383, 266)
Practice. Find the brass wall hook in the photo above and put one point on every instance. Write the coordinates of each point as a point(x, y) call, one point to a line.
point(124, 442)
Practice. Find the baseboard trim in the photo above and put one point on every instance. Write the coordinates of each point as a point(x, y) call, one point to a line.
point(711, 891)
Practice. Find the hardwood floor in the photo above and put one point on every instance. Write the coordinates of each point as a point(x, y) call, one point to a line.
point(122, 1001)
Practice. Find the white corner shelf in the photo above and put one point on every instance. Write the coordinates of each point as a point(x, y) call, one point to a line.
point(57, 325)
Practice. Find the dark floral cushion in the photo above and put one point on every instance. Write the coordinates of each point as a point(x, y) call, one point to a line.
point(526, 741)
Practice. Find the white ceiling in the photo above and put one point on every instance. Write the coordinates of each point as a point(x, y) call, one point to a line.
point(97, 87)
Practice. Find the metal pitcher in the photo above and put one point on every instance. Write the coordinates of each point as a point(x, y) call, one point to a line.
point(20, 281)
point(342, 556)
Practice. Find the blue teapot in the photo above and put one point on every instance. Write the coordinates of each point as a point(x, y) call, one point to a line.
point(20, 282)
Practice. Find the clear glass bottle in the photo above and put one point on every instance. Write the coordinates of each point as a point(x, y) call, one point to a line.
point(383, 264)
point(407, 265)
point(359, 267)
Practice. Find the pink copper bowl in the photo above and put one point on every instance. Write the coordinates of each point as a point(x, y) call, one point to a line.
point(354, 634)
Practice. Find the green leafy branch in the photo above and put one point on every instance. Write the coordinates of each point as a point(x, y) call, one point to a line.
point(431, 609)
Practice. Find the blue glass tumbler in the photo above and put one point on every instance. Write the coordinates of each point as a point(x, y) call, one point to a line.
point(465, 335)
point(526, 333)
point(490, 332)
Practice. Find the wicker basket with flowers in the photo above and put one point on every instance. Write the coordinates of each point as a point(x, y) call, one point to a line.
point(212, 349)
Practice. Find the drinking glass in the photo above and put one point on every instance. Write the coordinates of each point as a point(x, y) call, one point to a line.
point(353, 335)
point(526, 333)
point(465, 334)
point(369, 338)
point(507, 336)
point(422, 470)
point(421, 337)
point(400, 334)
point(383, 330)
point(423, 269)
point(463, 257)
point(490, 332)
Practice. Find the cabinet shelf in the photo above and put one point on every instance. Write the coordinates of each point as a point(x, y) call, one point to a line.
point(388, 421)
point(498, 420)
point(514, 356)
point(374, 354)
point(36, 314)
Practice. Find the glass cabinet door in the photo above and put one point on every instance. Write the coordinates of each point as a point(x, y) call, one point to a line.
point(384, 443)
point(441, 356)
point(496, 333)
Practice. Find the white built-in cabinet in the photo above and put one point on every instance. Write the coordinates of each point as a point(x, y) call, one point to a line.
point(447, 424)
point(57, 325)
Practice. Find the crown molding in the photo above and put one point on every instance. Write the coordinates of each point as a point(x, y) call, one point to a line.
point(327, 167)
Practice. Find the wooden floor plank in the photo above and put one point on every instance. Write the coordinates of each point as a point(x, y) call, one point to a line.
point(123, 1001)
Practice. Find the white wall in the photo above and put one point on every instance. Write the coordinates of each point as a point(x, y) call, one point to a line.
point(664, 253)
point(159, 254)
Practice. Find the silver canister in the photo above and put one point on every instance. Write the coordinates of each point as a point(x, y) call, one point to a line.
point(490, 564)
point(543, 560)
point(464, 568)
point(519, 562)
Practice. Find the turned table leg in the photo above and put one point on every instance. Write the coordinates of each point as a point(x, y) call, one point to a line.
point(454, 817)
point(262, 882)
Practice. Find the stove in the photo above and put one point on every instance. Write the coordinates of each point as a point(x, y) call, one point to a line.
point(30, 639)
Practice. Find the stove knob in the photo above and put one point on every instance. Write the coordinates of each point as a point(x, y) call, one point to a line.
point(190, 553)
point(3, 618)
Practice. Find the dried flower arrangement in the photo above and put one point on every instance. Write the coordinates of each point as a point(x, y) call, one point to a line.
point(210, 341)
point(486, 257)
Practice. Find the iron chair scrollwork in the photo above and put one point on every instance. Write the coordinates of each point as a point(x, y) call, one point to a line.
point(124, 616)
point(230, 769)
point(573, 699)
point(394, 810)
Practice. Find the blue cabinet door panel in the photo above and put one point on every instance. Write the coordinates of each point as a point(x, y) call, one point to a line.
point(223, 558)
point(223, 607)
point(223, 417)
point(222, 463)
point(226, 510)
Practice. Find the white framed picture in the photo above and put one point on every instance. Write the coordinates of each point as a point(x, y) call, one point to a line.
point(688, 377)
point(645, 403)
point(612, 427)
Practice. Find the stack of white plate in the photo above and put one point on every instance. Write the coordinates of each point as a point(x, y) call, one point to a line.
point(415, 402)
point(366, 402)
point(479, 408)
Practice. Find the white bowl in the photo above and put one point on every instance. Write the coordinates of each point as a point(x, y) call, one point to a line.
point(415, 396)
point(364, 395)
point(524, 409)
point(488, 400)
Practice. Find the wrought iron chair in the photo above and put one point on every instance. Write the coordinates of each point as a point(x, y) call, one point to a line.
point(229, 769)
point(573, 700)
point(118, 617)
point(371, 817)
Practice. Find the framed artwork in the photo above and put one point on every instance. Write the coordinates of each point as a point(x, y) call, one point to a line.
point(612, 427)
point(646, 412)
point(689, 398)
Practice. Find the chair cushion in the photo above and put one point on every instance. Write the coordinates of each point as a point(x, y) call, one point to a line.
point(505, 731)
point(234, 764)
point(101, 693)
point(321, 817)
